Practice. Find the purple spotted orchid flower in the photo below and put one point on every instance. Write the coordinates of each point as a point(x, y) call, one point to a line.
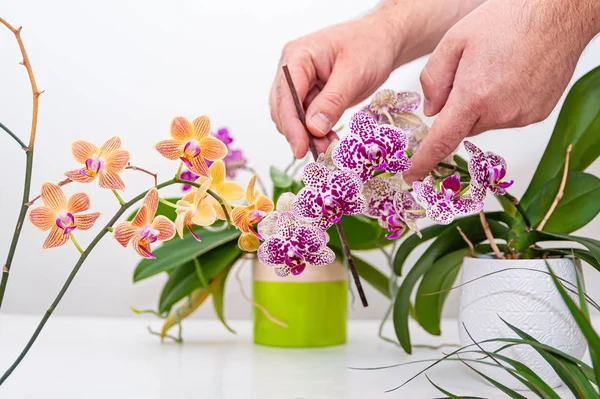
point(293, 246)
point(447, 202)
point(394, 208)
point(487, 171)
point(327, 196)
point(398, 106)
point(369, 148)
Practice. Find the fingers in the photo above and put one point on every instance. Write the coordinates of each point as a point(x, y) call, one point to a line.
point(437, 77)
point(451, 126)
point(337, 95)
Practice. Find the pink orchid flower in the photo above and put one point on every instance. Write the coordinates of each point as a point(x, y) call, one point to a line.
point(145, 229)
point(60, 216)
point(105, 162)
point(487, 171)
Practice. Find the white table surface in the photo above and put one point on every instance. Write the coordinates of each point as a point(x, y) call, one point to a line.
point(117, 358)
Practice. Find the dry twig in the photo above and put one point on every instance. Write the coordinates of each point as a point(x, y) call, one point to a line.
point(469, 243)
point(561, 190)
point(136, 168)
point(490, 236)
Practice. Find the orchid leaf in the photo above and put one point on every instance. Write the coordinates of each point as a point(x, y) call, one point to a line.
point(578, 253)
point(184, 279)
point(179, 251)
point(282, 183)
point(526, 240)
point(442, 390)
point(579, 205)
point(441, 276)
point(578, 124)
point(162, 209)
point(218, 292)
point(448, 241)
point(511, 393)
point(362, 233)
point(368, 273)
point(413, 241)
point(582, 321)
point(189, 306)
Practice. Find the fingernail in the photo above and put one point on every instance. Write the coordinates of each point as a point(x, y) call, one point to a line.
point(426, 107)
point(321, 122)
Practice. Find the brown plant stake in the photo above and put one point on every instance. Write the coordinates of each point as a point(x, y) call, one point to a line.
point(313, 150)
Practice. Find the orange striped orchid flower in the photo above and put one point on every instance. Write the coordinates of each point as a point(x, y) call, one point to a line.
point(195, 209)
point(246, 217)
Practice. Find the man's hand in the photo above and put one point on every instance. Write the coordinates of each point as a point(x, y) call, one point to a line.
point(340, 66)
point(504, 65)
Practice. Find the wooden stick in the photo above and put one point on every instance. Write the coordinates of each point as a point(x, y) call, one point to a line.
point(313, 150)
point(561, 190)
point(490, 236)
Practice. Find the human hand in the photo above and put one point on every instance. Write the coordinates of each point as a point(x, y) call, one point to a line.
point(504, 65)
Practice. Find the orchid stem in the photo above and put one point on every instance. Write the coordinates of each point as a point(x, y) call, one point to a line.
point(76, 268)
point(29, 156)
point(315, 154)
point(167, 203)
point(517, 204)
point(121, 202)
point(14, 136)
point(74, 241)
point(178, 173)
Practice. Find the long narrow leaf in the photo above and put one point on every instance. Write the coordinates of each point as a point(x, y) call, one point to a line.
point(513, 394)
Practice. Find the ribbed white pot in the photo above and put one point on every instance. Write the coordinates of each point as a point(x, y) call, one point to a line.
point(528, 300)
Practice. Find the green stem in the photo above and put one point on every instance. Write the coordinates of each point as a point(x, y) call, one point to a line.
point(19, 226)
point(121, 202)
point(74, 241)
point(452, 167)
point(520, 209)
point(14, 136)
point(178, 173)
point(168, 203)
point(74, 272)
point(200, 274)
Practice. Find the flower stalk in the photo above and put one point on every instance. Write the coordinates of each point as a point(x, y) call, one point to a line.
point(315, 154)
point(29, 157)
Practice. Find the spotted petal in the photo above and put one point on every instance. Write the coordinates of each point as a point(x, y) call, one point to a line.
point(321, 258)
point(472, 149)
point(268, 226)
point(56, 238)
point(355, 207)
point(350, 155)
point(286, 225)
point(345, 185)
point(308, 239)
point(315, 175)
point(440, 213)
point(406, 101)
point(363, 125)
point(83, 150)
point(305, 205)
point(467, 206)
point(85, 222)
point(379, 195)
point(393, 139)
point(426, 191)
point(78, 202)
point(53, 197)
point(272, 252)
point(398, 165)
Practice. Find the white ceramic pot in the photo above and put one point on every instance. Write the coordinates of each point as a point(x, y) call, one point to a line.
point(528, 300)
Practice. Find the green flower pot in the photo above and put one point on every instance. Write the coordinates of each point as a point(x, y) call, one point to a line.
point(313, 305)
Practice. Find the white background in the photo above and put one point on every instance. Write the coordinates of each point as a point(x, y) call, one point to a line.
point(126, 68)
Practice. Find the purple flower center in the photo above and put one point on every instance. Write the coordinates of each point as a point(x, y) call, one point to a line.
point(331, 208)
point(93, 165)
point(496, 174)
point(451, 188)
point(148, 235)
point(396, 226)
point(294, 261)
point(66, 221)
point(377, 156)
point(190, 151)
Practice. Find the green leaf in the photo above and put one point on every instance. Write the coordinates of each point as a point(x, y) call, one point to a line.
point(568, 371)
point(578, 253)
point(461, 162)
point(162, 209)
point(218, 296)
point(282, 183)
point(450, 395)
point(449, 241)
point(297, 186)
point(368, 272)
point(179, 251)
point(578, 124)
point(524, 241)
point(413, 241)
point(362, 233)
point(184, 279)
point(503, 388)
point(582, 321)
point(578, 206)
point(441, 276)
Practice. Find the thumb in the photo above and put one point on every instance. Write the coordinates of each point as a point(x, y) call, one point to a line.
point(451, 126)
point(329, 105)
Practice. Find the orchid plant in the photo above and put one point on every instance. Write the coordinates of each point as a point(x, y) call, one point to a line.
point(356, 185)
